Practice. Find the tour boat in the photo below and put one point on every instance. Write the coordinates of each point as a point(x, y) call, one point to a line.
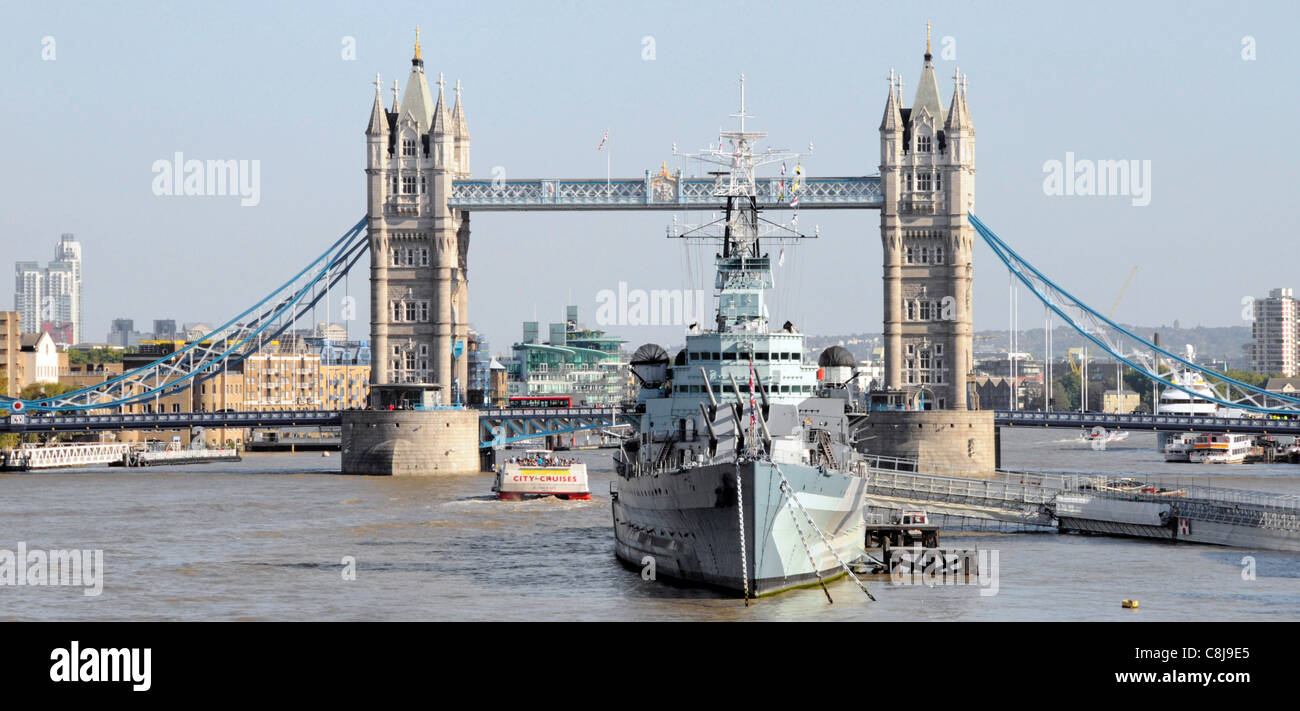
point(540, 473)
point(1217, 448)
point(1179, 447)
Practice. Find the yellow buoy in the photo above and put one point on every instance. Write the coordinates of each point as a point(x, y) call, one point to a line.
point(1131, 604)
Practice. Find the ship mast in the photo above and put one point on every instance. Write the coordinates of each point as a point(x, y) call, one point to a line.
point(744, 273)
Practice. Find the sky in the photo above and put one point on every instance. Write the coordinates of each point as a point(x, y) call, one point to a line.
point(95, 93)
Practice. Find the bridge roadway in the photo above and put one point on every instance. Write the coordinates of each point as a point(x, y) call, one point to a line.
point(496, 425)
point(518, 423)
point(1162, 423)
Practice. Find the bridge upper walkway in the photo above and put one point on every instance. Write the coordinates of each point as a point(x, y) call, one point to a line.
point(658, 193)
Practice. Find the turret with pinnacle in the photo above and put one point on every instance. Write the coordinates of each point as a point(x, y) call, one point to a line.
point(927, 183)
point(418, 285)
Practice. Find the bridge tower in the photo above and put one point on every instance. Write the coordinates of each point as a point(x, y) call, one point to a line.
point(927, 175)
point(418, 245)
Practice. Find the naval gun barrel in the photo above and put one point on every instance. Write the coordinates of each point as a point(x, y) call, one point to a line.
point(767, 434)
point(762, 389)
point(713, 401)
point(708, 422)
point(736, 389)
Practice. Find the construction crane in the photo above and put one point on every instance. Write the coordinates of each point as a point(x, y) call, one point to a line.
point(1122, 291)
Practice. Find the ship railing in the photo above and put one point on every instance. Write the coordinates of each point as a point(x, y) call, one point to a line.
point(1197, 510)
point(1179, 489)
point(1053, 480)
point(958, 489)
point(1118, 485)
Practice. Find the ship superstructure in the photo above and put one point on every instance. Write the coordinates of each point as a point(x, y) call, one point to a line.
point(742, 473)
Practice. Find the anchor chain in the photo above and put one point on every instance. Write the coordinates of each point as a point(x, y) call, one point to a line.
point(789, 490)
point(740, 514)
point(808, 551)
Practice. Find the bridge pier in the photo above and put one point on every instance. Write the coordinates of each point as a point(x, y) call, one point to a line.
point(941, 441)
point(410, 442)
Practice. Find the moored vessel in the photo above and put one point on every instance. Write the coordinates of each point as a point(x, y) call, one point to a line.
point(30, 457)
point(1179, 447)
point(1221, 448)
point(172, 453)
point(752, 488)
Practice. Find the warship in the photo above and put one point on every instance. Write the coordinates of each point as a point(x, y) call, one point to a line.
point(742, 474)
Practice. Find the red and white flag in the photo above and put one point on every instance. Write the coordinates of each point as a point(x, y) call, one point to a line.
point(603, 139)
point(795, 202)
point(751, 396)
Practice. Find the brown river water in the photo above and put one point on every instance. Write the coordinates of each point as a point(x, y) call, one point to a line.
point(266, 539)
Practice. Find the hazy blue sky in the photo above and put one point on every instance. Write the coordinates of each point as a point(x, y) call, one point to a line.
point(132, 83)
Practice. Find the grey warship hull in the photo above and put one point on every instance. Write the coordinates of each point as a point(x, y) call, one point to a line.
point(687, 521)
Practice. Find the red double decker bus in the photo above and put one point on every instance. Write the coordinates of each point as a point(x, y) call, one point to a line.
point(542, 401)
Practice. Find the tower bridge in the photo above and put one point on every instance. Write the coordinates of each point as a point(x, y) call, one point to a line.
point(421, 195)
point(421, 198)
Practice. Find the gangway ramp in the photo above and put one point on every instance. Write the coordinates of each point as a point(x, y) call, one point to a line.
point(1010, 497)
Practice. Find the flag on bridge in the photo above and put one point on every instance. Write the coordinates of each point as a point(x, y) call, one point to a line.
point(603, 139)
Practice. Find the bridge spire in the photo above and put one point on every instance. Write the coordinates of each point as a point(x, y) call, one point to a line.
point(458, 117)
point(416, 98)
point(927, 88)
point(893, 119)
point(378, 125)
point(440, 120)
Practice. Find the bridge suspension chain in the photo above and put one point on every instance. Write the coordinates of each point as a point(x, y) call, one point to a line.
point(228, 344)
point(1143, 356)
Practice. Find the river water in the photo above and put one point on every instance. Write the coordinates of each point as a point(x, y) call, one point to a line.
point(266, 539)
